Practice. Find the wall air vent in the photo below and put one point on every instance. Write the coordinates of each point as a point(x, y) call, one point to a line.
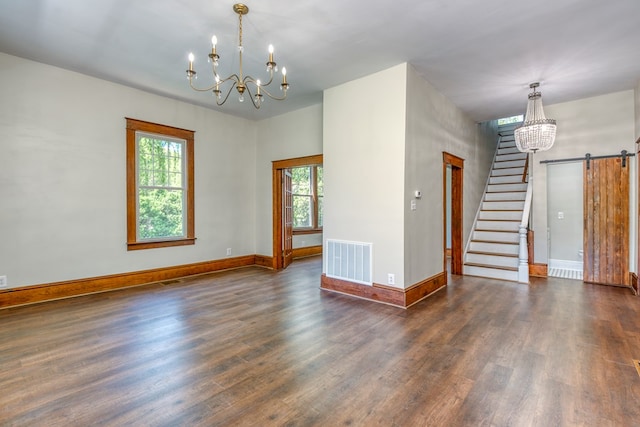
point(351, 261)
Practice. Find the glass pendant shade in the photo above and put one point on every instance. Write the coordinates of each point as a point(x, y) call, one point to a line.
point(537, 133)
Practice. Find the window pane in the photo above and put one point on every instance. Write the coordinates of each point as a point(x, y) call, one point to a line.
point(301, 180)
point(320, 181)
point(159, 162)
point(320, 199)
point(160, 213)
point(301, 211)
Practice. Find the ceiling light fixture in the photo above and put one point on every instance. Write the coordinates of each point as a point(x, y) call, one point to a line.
point(241, 82)
point(537, 133)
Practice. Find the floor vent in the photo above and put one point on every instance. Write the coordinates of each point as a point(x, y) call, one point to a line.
point(350, 261)
point(565, 273)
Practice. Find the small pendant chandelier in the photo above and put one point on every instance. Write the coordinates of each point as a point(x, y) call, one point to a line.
point(537, 133)
point(222, 87)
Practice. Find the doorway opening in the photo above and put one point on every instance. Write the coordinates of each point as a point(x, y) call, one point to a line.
point(452, 177)
point(289, 240)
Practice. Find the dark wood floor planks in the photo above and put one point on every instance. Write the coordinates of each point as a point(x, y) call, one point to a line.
point(258, 348)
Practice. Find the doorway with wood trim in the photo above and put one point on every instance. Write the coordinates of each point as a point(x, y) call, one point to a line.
point(282, 194)
point(452, 177)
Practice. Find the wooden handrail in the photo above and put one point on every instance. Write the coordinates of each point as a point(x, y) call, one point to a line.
point(525, 173)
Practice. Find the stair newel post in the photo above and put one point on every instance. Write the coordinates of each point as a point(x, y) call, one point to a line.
point(527, 212)
point(523, 256)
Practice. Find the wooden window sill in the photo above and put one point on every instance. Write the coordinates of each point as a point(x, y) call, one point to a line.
point(134, 246)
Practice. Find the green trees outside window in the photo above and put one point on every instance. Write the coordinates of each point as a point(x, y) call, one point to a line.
point(160, 187)
point(307, 188)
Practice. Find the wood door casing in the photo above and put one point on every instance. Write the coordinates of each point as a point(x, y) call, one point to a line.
point(457, 167)
point(606, 222)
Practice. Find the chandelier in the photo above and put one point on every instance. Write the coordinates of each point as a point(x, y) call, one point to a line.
point(537, 133)
point(222, 87)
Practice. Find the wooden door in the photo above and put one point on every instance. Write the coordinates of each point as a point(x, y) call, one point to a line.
point(287, 218)
point(606, 222)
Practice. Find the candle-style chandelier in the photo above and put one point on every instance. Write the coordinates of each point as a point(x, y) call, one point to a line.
point(239, 81)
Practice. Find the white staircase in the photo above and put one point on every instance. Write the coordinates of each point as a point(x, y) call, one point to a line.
point(494, 243)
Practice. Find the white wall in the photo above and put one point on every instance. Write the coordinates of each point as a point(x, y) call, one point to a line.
point(363, 148)
point(62, 176)
point(435, 125)
point(599, 125)
point(296, 134)
point(637, 110)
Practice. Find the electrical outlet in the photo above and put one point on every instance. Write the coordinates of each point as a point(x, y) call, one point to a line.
point(3, 281)
point(391, 279)
point(228, 251)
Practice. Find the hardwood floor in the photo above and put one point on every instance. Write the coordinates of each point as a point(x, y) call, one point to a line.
point(259, 348)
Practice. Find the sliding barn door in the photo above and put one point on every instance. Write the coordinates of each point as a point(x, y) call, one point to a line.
point(287, 218)
point(606, 222)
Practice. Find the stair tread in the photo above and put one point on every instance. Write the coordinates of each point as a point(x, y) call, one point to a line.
point(502, 192)
point(504, 200)
point(494, 241)
point(495, 267)
point(493, 254)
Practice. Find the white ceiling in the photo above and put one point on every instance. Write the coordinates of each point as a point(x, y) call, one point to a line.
point(480, 54)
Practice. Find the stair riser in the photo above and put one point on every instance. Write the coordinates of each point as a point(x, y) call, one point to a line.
point(494, 248)
point(511, 156)
point(498, 225)
point(496, 236)
point(502, 206)
point(492, 197)
point(505, 179)
point(500, 215)
point(508, 150)
point(494, 188)
point(491, 273)
point(508, 171)
point(509, 164)
point(500, 261)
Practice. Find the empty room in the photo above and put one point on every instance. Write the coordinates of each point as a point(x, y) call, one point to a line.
point(319, 213)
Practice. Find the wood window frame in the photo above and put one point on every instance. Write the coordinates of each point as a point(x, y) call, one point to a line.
point(313, 181)
point(134, 126)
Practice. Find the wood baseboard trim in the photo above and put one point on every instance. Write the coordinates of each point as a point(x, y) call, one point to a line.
point(307, 251)
point(633, 281)
point(538, 270)
point(264, 261)
point(51, 291)
point(402, 298)
point(422, 290)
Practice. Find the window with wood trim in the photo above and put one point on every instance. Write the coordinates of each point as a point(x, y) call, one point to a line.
point(307, 186)
point(160, 181)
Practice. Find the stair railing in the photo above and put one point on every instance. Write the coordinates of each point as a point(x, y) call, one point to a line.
point(523, 252)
